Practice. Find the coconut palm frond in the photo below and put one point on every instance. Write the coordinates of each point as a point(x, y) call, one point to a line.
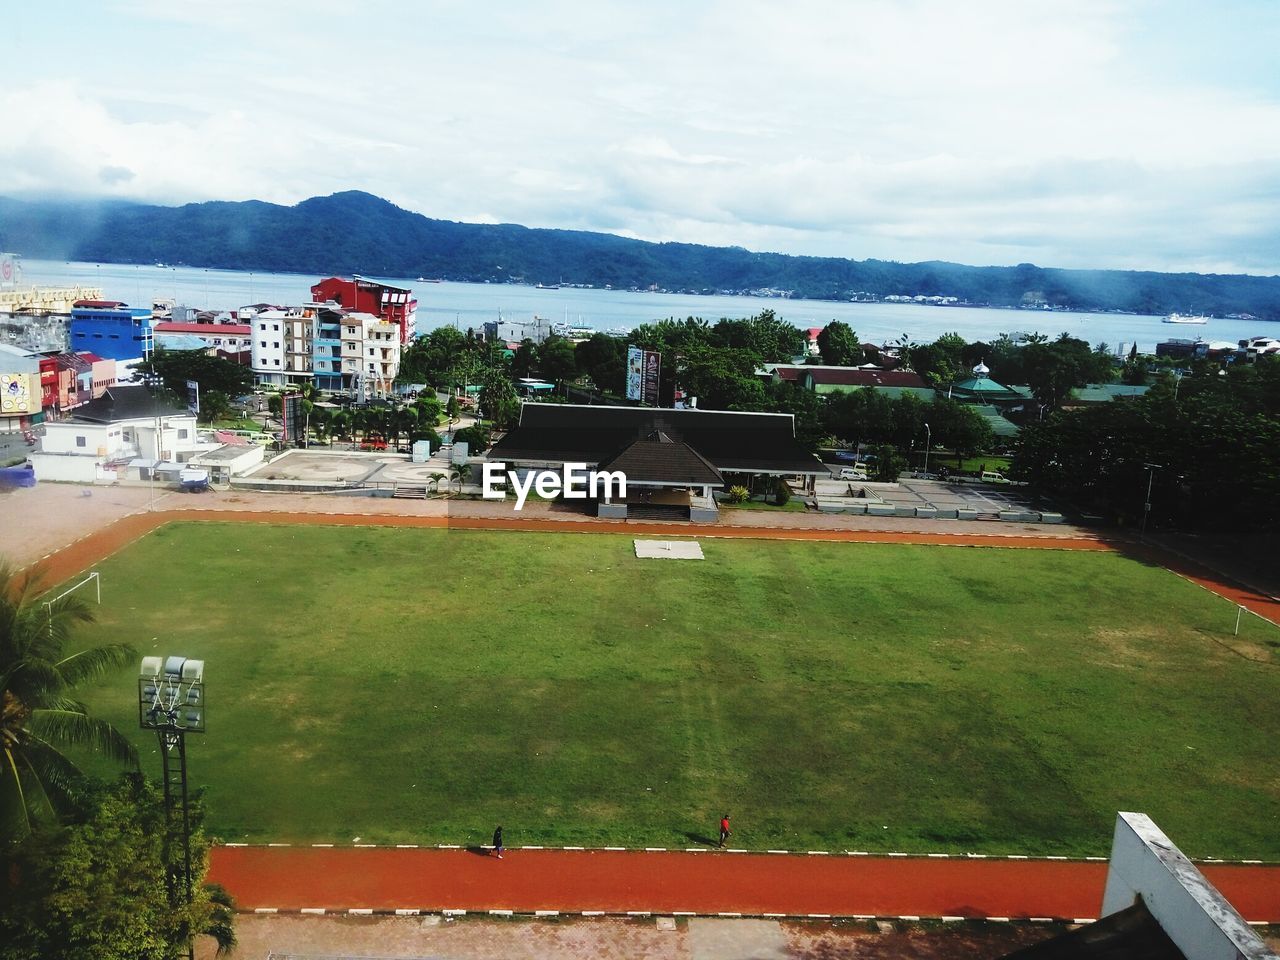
point(95, 662)
point(76, 728)
point(221, 925)
point(60, 782)
point(33, 681)
point(15, 818)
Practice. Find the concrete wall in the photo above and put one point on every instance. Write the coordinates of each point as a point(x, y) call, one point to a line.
point(1145, 863)
point(69, 469)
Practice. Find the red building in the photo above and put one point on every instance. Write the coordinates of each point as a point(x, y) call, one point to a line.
point(394, 304)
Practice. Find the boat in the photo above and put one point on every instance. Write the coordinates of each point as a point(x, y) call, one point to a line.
point(544, 286)
point(429, 280)
point(1180, 318)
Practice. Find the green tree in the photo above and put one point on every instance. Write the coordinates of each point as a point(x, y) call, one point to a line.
point(498, 400)
point(524, 358)
point(889, 464)
point(772, 339)
point(476, 437)
point(603, 358)
point(39, 715)
point(556, 359)
point(839, 345)
point(96, 888)
point(176, 367)
point(214, 405)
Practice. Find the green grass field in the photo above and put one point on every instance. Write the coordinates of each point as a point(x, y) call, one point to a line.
point(422, 685)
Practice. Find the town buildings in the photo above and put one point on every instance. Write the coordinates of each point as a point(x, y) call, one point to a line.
point(339, 350)
point(125, 432)
point(361, 295)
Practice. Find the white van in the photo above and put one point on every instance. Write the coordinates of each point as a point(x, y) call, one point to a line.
point(856, 472)
point(990, 476)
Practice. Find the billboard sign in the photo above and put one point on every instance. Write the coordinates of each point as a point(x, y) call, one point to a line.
point(193, 396)
point(10, 270)
point(652, 375)
point(644, 370)
point(19, 394)
point(635, 373)
point(291, 419)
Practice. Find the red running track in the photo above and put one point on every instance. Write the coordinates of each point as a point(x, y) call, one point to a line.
point(524, 881)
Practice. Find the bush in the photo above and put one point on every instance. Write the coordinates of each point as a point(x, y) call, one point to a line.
point(781, 492)
point(476, 438)
point(738, 495)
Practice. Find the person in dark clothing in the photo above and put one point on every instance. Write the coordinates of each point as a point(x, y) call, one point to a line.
point(724, 829)
point(497, 841)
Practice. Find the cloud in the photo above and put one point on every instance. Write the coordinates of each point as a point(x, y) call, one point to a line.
point(995, 131)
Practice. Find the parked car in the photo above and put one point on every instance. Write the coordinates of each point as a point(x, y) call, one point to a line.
point(858, 472)
point(990, 476)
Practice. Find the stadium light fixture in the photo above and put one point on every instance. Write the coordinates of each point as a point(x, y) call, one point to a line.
point(171, 702)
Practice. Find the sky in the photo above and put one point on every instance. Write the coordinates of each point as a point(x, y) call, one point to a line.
point(1083, 133)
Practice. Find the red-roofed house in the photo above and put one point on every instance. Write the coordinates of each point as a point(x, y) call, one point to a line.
point(362, 295)
point(822, 379)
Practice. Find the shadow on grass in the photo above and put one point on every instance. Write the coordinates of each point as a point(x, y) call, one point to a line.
point(700, 839)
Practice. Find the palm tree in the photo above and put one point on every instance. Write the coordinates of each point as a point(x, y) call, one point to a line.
point(459, 471)
point(38, 712)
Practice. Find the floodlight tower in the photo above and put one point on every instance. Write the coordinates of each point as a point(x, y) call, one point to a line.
point(171, 702)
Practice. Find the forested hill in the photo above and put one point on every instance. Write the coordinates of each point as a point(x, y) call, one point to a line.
point(355, 232)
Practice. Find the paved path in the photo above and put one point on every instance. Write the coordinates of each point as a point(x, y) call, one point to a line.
point(525, 881)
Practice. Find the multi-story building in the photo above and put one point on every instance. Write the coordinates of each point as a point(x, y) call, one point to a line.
point(370, 354)
point(362, 295)
point(280, 351)
point(110, 329)
point(326, 349)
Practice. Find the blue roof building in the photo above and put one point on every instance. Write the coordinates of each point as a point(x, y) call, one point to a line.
point(111, 329)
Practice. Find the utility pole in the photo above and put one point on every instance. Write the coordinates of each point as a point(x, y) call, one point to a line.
point(1146, 507)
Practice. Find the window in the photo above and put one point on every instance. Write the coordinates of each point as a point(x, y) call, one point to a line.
point(182, 434)
point(217, 341)
point(80, 442)
point(276, 344)
point(275, 326)
point(263, 343)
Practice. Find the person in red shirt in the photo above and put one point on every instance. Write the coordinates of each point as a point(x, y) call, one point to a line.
point(724, 829)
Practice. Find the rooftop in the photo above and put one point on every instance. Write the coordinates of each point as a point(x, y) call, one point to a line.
point(126, 402)
point(728, 441)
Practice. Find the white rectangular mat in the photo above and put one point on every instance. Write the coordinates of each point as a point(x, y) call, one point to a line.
point(669, 549)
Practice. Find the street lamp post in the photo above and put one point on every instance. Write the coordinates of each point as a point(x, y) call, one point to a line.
point(171, 702)
point(1146, 507)
point(928, 442)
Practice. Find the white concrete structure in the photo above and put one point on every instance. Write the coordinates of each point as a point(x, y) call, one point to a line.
point(370, 354)
point(229, 460)
point(1146, 865)
point(107, 438)
point(280, 351)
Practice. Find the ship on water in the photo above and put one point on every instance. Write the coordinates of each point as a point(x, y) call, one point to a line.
point(1183, 318)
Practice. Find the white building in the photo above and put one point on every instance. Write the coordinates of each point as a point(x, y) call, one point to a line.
point(280, 351)
point(124, 434)
point(358, 352)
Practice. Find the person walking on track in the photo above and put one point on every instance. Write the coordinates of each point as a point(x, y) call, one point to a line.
point(724, 829)
point(497, 841)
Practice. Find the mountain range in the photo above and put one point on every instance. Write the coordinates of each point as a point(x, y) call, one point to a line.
point(356, 232)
